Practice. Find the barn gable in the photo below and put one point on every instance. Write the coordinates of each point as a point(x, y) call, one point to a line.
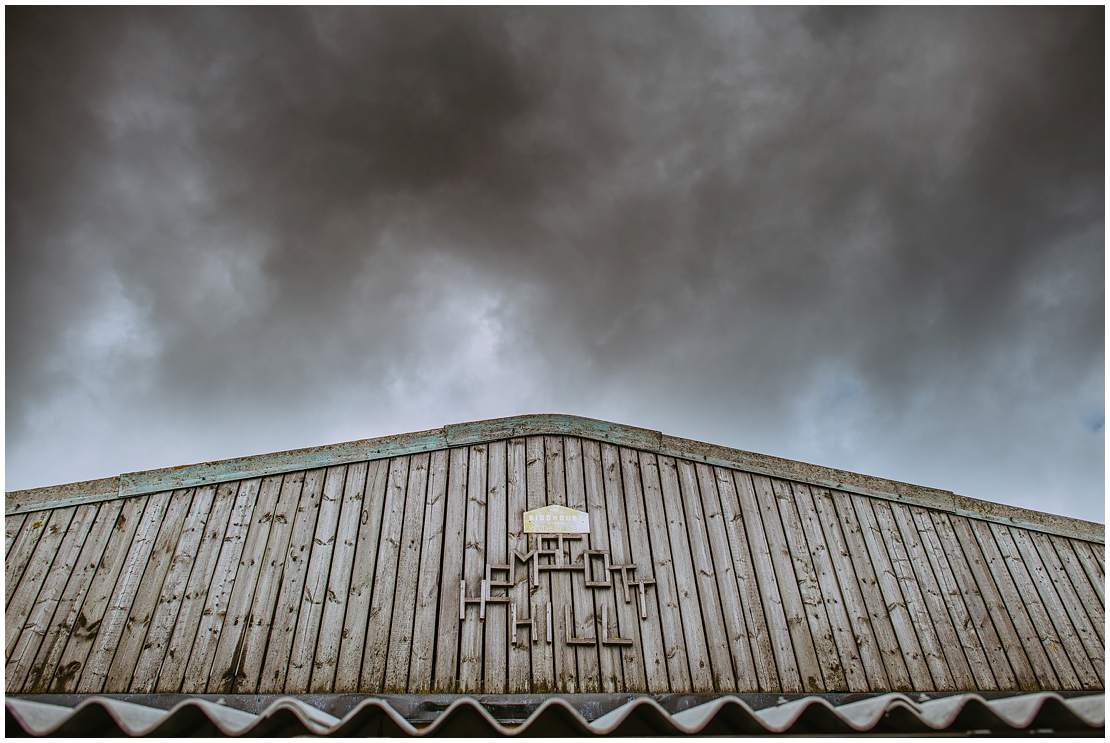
point(401, 565)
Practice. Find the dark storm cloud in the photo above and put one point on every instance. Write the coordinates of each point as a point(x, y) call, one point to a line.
point(867, 238)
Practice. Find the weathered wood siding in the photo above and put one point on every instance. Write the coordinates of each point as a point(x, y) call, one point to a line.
point(353, 578)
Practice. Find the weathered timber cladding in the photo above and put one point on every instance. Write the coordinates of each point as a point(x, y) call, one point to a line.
point(348, 577)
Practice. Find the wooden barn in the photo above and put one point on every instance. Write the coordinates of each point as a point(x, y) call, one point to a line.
point(546, 573)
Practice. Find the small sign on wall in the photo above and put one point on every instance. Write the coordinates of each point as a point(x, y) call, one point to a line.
point(556, 520)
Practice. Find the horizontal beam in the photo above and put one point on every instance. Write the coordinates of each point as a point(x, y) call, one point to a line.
point(480, 432)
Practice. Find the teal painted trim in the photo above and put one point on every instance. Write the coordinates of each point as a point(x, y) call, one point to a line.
point(481, 432)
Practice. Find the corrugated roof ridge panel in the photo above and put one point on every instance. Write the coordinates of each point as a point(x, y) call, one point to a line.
point(463, 434)
point(726, 715)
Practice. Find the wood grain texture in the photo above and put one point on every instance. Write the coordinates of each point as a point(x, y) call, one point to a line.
point(315, 592)
point(729, 540)
point(339, 580)
point(932, 616)
point(651, 634)
point(897, 606)
point(1085, 553)
point(703, 622)
point(986, 659)
point(809, 665)
point(408, 567)
point(832, 671)
point(838, 516)
point(21, 550)
point(123, 596)
point(224, 663)
point(666, 569)
point(1090, 594)
point(627, 618)
point(1076, 638)
point(22, 601)
point(495, 653)
point(543, 654)
point(91, 612)
point(385, 579)
point(349, 664)
point(451, 572)
point(585, 617)
point(12, 525)
point(25, 642)
point(852, 656)
point(474, 567)
point(516, 495)
point(290, 535)
point(1006, 558)
point(566, 663)
point(586, 492)
point(153, 651)
point(427, 590)
point(65, 614)
point(250, 497)
point(226, 506)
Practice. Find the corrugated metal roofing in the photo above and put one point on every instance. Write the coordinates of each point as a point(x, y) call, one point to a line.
point(889, 713)
point(400, 565)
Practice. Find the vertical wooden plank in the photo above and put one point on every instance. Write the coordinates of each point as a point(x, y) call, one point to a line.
point(153, 651)
point(520, 653)
point(566, 665)
point(992, 623)
point(896, 606)
point(186, 628)
point(12, 525)
point(1089, 592)
point(839, 516)
point(251, 500)
point(1085, 553)
point(766, 511)
point(385, 579)
point(586, 618)
point(711, 667)
point(610, 675)
point(148, 594)
point(339, 580)
point(127, 585)
point(543, 654)
point(985, 655)
point(497, 615)
point(1014, 625)
point(298, 506)
point(627, 617)
point(21, 550)
point(22, 601)
point(223, 662)
point(305, 611)
point(349, 665)
point(1088, 665)
point(852, 657)
point(729, 540)
point(451, 572)
point(427, 590)
point(927, 606)
point(832, 670)
point(712, 552)
point(90, 613)
point(69, 603)
point(1070, 581)
point(639, 542)
point(38, 620)
point(408, 574)
point(474, 569)
point(1009, 560)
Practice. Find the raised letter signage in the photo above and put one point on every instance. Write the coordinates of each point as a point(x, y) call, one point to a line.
point(556, 520)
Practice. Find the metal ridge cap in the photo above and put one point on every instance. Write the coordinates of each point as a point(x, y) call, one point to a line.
point(495, 429)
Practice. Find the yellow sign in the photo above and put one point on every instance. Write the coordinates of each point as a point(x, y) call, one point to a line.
point(556, 520)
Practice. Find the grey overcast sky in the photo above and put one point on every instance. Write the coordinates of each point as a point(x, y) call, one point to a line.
point(869, 239)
